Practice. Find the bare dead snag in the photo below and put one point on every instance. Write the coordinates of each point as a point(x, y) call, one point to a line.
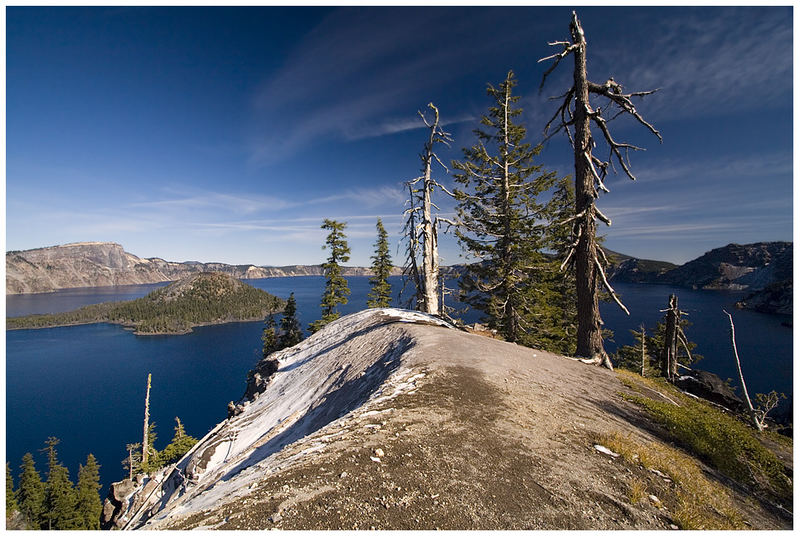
point(421, 227)
point(747, 401)
point(145, 443)
point(644, 350)
point(575, 116)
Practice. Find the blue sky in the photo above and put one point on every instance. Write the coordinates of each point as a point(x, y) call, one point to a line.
point(218, 134)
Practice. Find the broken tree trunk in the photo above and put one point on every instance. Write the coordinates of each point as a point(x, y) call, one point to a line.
point(747, 401)
point(644, 350)
point(145, 443)
point(576, 113)
point(424, 233)
point(669, 359)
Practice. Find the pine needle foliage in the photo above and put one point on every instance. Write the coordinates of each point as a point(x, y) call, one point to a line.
point(60, 498)
point(89, 507)
point(336, 289)
point(501, 220)
point(180, 444)
point(291, 332)
point(269, 337)
point(30, 494)
point(381, 294)
point(11, 496)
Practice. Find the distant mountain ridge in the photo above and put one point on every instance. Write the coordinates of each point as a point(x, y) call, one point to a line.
point(754, 267)
point(93, 264)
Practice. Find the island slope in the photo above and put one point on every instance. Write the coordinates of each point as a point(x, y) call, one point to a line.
point(199, 299)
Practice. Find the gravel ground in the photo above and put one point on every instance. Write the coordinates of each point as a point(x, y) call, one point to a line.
point(491, 436)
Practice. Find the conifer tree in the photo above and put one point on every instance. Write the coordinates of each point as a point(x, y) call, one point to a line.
point(11, 495)
point(500, 219)
point(59, 498)
point(181, 443)
point(291, 332)
point(133, 462)
point(555, 324)
point(269, 337)
point(336, 289)
point(381, 294)
point(89, 506)
point(30, 495)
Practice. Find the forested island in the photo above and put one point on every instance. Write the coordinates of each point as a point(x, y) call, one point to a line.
point(200, 299)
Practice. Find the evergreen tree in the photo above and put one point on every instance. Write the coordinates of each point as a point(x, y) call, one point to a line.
point(59, 498)
point(11, 495)
point(291, 332)
point(556, 321)
point(181, 443)
point(630, 356)
point(133, 462)
point(89, 506)
point(381, 294)
point(336, 289)
point(269, 337)
point(501, 219)
point(30, 495)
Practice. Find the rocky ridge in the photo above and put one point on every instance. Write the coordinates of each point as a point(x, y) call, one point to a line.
point(94, 264)
point(390, 419)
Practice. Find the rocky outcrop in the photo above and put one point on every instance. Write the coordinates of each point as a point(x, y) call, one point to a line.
point(711, 388)
point(93, 264)
point(121, 501)
point(775, 298)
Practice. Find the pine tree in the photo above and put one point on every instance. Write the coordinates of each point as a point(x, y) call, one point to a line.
point(556, 321)
point(133, 462)
point(89, 506)
point(336, 289)
point(181, 443)
point(291, 332)
point(30, 495)
point(269, 337)
point(381, 294)
point(500, 218)
point(59, 498)
point(11, 495)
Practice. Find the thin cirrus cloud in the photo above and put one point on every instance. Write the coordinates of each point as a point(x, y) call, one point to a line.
point(705, 67)
point(359, 67)
point(774, 164)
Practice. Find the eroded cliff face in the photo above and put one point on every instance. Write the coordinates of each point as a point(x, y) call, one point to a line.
point(93, 264)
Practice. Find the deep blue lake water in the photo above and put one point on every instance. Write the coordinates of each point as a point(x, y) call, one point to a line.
point(86, 384)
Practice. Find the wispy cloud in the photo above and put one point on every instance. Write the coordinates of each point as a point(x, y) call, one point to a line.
point(706, 61)
point(363, 73)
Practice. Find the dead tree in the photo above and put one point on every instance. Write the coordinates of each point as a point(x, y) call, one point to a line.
point(575, 112)
point(644, 346)
point(673, 334)
point(748, 403)
point(145, 441)
point(421, 228)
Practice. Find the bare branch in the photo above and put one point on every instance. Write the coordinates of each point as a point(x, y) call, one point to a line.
point(608, 286)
